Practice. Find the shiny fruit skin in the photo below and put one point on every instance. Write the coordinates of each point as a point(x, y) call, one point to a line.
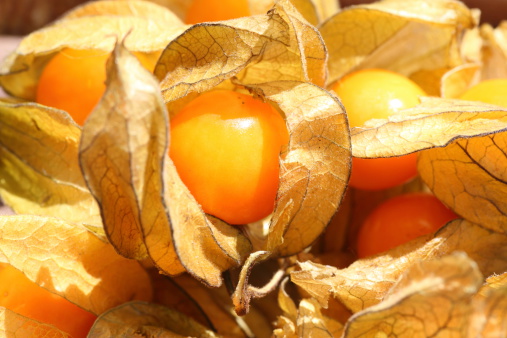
point(399, 220)
point(21, 295)
point(225, 146)
point(492, 91)
point(377, 94)
point(216, 10)
point(74, 81)
point(382, 173)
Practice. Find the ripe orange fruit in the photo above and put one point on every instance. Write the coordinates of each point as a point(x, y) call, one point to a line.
point(216, 10)
point(74, 81)
point(399, 220)
point(21, 295)
point(489, 91)
point(225, 146)
point(377, 94)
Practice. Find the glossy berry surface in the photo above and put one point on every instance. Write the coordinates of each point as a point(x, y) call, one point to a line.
point(399, 220)
point(21, 295)
point(75, 80)
point(492, 91)
point(216, 10)
point(377, 94)
point(225, 146)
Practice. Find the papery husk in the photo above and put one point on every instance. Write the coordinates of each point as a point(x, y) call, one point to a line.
point(285, 302)
point(312, 323)
point(315, 11)
point(285, 328)
point(210, 53)
point(469, 176)
point(490, 308)
point(13, 324)
point(68, 260)
point(216, 304)
point(147, 319)
point(201, 252)
point(486, 47)
point(493, 51)
point(144, 27)
point(476, 194)
point(146, 208)
point(367, 281)
point(430, 298)
point(381, 35)
point(122, 145)
point(306, 319)
point(39, 165)
point(457, 80)
point(434, 123)
point(308, 9)
point(314, 169)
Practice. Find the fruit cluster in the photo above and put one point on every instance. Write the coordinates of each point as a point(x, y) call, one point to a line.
point(209, 138)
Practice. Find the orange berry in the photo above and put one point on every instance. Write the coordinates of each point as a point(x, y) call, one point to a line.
point(488, 91)
point(225, 146)
point(377, 94)
point(74, 81)
point(216, 10)
point(399, 220)
point(21, 295)
point(382, 173)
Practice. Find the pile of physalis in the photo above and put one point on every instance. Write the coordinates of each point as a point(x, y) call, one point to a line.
point(171, 174)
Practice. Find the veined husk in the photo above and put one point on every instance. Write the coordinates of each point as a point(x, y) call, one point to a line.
point(145, 210)
point(317, 156)
point(142, 26)
point(131, 186)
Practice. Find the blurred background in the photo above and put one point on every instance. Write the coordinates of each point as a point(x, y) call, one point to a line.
point(20, 17)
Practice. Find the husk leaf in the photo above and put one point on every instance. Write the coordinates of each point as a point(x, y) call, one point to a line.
point(490, 308)
point(210, 53)
point(39, 165)
point(435, 122)
point(143, 201)
point(216, 304)
point(68, 260)
point(315, 167)
point(312, 323)
point(431, 298)
point(493, 52)
point(379, 35)
point(475, 178)
point(457, 80)
point(147, 319)
point(144, 26)
point(121, 139)
point(366, 282)
point(13, 324)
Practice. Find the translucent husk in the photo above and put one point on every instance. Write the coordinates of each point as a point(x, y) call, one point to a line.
point(117, 177)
